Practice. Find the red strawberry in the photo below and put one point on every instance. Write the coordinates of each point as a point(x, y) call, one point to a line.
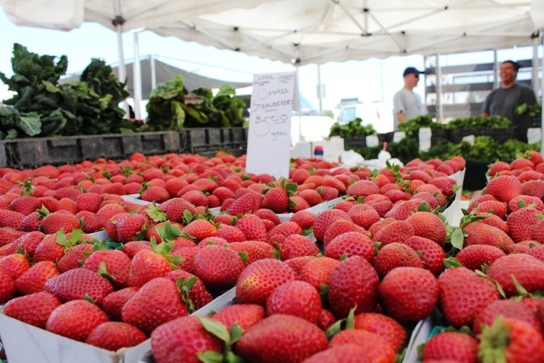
point(494, 221)
point(200, 229)
point(363, 188)
point(114, 302)
point(351, 244)
point(326, 320)
point(132, 248)
point(155, 194)
point(175, 207)
point(507, 309)
point(231, 234)
point(522, 201)
point(276, 199)
point(396, 255)
point(396, 231)
point(353, 282)
point(384, 326)
point(431, 254)
point(297, 246)
point(527, 270)
point(482, 234)
point(14, 265)
point(182, 340)
point(218, 267)
point(156, 303)
point(10, 218)
point(380, 203)
point(298, 263)
point(511, 340)
point(285, 229)
point(198, 294)
point(128, 227)
point(344, 353)
point(25, 204)
point(408, 294)
point(473, 257)
point(113, 336)
point(8, 235)
point(196, 198)
point(459, 347)
point(56, 221)
point(304, 219)
point(246, 203)
point(340, 227)
point(34, 279)
point(533, 188)
point(264, 213)
point(522, 224)
point(77, 283)
point(311, 196)
point(89, 202)
point(105, 213)
point(244, 315)
point(116, 264)
point(325, 219)
point(76, 319)
point(73, 258)
point(498, 167)
point(260, 278)
point(318, 272)
point(281, 338)
point(89, 221)
point(254, 251)
point(33, 309)
point(297, 298)
point(504, 188)
point(461, 309)
point(252, 227)
point(7, 288)
point(147, 265)
point(376, 348)
point(363, 215)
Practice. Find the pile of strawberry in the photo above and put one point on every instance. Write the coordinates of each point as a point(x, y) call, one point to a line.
point(173, 259)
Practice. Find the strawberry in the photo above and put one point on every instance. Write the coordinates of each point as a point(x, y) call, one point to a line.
point(304, 219)
point(521, 201)
point(435, 200)
point(252, 227)
point(89, 221)
point(511, 340)
point(31, 222)
point(248, 202)
point(328, 193)
point(351, 244)
point(325, 219)
point(114, 302)
point(131, 248)
point(77, 283)
point(445, 185)
point(504, 188)
point(25, 204)
point(90, 202)
point(527, 270)
point(535, 157)
point(376, 347)
point(326, 320)
point(431, 254)
point(264, 213)
point(533, 188)
point(198, 293)
point(223, 193)
point(75, 319)
point(244, 315)
point(396, 231)
point(195, 197)
point(281, 338)
point(344, 353)
point(461, 309)
point(7, 288)
point(497, 167)
point(147, 265)
point(384, 326)
point(182, 340)
point(396, 255)
point(298, 263)
point(363, 215)
point(156, 303)
point(218, 267)
point(105, 213)
point(34, 279)
point(285, 229)
point(494, 221)
point(522, 223)
point(478, 233)
point(475, 256)
point(362, 188)
point(33, 309)
point(428, 225)
point(155, 194)
point(116, 264)
point(276, 199)
point(340, 227)
point(73, 258)
point(8, 235)
point(113, 336)
point(259, 280)
point(199, 229)
point(380, 203)
point(353, 283)
point(253, 250)
point(231, 234)
point(507, 309)
point(311, 196)
point(318, 272)
point(296, 298)
point(459, 347)
point(408, 294)
point(10, 218)
point(56, 221)
point(297, 246)
point(521, 163)
point(14, 265)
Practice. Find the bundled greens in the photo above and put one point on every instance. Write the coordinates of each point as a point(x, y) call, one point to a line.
point(172, 107)
point(531, 110)
point(477, 122)
point(412, 126)
point(353, 128)
point(43, 107)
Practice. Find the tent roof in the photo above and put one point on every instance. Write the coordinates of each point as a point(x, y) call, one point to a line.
point(165, 72)
point(319, 31)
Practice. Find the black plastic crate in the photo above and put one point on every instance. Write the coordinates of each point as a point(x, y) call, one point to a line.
point(206, 136)
point(23, 152)
point(497, 134)
point(184, 141)
point(475, 178)
point(437, 135)
point(235, 135)
point(526, 122)
point(159, 142)
point(355, 141)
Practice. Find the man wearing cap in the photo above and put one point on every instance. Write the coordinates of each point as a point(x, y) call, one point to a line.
point(407, 104)
point(504, 100)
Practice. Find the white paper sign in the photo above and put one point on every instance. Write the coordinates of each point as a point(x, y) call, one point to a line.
point(533, 135)
point(398, 136)
point(469, 139)
point(269, 137)
point(372, 141)
point(425, 134)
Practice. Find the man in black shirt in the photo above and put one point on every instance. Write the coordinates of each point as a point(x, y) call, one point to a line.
point(504, 100)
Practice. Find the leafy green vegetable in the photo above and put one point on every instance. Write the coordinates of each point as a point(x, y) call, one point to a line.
point(352, 128)
point(477, 122)
point(412, 126)
point(531, 110)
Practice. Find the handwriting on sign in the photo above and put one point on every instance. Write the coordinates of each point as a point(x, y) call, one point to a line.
point(277, 134)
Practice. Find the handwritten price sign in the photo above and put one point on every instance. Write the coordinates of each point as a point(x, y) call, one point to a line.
point(269, 136)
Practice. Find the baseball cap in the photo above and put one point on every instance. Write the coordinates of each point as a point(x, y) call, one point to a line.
point(411, 70)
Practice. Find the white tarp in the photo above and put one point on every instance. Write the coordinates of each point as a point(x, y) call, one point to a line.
point(54, 14)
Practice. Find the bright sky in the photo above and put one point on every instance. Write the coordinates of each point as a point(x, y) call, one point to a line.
point(370, 80)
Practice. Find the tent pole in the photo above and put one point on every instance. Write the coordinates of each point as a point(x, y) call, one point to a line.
point(153, 72)
point(536, 84)
point(541, 93)
point(439, 89)
point(137, 78)
point(319, 89)
point(496, 78)
point(122, 68)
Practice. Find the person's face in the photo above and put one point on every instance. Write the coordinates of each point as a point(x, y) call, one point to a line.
point(412, 79)
point(508, 73)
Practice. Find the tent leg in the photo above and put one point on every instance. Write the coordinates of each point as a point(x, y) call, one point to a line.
point(535, 82)
point(440, 113)
point(319, 89)
point(541, 93)
point(153, 72)
point(137, 77)
point(122, 69)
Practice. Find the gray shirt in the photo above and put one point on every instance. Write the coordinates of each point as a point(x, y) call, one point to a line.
point(503, 101)
point(409, 103)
